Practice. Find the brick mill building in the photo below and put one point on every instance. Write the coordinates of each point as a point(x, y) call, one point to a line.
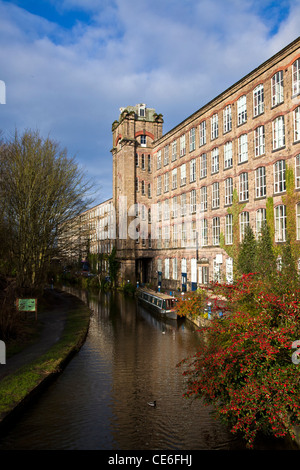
point(171, 192)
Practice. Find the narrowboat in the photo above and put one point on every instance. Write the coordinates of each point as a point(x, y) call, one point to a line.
point(163, 304)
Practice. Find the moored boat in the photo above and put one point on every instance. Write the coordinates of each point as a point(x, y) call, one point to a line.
point(163, 304)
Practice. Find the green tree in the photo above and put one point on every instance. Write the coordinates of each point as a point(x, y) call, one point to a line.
point(246, 256)
point(265, 259)
point(289, 272)
point(42, 193)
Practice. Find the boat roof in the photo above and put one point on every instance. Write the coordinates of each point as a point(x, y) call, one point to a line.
point(156, 294)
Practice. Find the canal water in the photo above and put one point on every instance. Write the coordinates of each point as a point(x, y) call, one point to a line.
point(100, 401)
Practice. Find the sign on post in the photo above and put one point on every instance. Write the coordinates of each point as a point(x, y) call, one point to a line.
point(2, 353)
point(27, 305)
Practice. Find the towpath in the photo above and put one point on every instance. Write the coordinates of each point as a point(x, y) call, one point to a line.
point(52, 321)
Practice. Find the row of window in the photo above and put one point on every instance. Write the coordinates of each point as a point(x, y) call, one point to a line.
point(173, 268)
point(186, 235)
point(278, 141)
point(277, 97)
point(143, 161)
point(260, 187)
point(197, 274)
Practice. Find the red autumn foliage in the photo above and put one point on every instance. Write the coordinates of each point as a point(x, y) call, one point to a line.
point(245, 367)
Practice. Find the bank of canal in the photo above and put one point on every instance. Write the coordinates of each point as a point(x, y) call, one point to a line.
point(100, 401)
point(63, 328)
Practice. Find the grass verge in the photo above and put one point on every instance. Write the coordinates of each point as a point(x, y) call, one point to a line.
point(16, 387)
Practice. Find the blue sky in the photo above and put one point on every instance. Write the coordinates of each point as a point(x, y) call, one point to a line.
point(69, 65)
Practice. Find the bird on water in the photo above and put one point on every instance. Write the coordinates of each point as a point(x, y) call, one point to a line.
point(152, 403)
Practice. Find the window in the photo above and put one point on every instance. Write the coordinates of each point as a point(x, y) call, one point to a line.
point(143, 161)
point(277, 88)
point(203, 274)
point(158, 165)
point(159, 265)
point(175, 268)
point(149, 189)
point(203, 165)
point(158, 186)
point(278, 133)
point(149, 163)
point(279, 176)
point(192, 136)
point(143, 187)
point(136, 160)
point(261, 219)
point(166, 182)
point(159, 212)
point(167, 268)
point(149, 216)
point(228, 191)
point(215, 160)
point(193, 201)
point(136, 184)
point(174, 208)
point(143, 211)
point(298, 220)
point(142, 110)
point(174, 178)
point(227, 119)
point(297, 124)
point(175, 236)
point(228, 229)
point(215, 196)
point(258, 100)
point(214, 126)
point(280, 223)
point(244, 222)
point(166, 210)
point(204, 232)
point(203, 198)
point(193, 270)
point(260, 182)
point(183, 234)
point(297, 171)
point(296, 77)
point(202, 133)
point(183, 174)
point(174, 150)
point(228, 155)
point(193, 170)
point(216, 230)
point(243, 148)
point(229, 270)
point(143, 140)
point(259, 141)
point(182, 145)
point(166, 155)
point(242, 110)
point(244, 193)
point(183, 204)
point(217, 270)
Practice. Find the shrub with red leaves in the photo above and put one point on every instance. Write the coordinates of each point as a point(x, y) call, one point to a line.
point(245, 367)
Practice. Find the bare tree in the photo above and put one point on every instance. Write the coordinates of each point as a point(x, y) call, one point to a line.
point(42, 193)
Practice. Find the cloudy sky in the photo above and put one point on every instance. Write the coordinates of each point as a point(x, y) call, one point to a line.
point(69, 65)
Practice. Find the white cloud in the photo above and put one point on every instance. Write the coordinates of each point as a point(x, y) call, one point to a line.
point(173, 55)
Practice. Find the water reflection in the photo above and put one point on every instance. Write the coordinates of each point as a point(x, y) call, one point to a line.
point(100, 400)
